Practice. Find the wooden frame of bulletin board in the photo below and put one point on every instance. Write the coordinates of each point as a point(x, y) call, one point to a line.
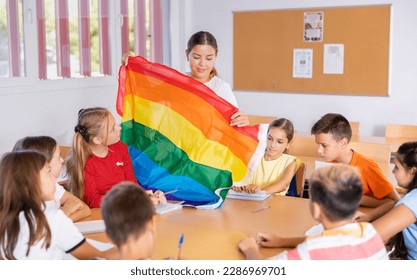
point(264, 42)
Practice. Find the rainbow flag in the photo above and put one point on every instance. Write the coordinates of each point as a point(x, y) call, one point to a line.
point(179, 136)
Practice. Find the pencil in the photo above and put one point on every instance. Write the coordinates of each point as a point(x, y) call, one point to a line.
point(261, 209)
point(173, 191)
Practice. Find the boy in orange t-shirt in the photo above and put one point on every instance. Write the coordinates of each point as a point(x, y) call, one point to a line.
point(332, 134)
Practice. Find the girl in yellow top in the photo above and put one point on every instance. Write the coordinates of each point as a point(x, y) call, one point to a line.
point(276, 169)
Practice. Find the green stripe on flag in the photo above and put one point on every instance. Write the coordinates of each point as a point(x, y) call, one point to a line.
point(167, 155)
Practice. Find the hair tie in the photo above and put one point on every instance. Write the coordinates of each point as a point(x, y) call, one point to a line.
point(82, 130)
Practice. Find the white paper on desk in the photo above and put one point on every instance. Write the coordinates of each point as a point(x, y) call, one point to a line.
point(167, 207)
point(259, 195)
point(319, 164)
point(91, 226)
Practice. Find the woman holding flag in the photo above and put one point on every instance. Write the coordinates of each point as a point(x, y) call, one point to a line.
point(201, 53)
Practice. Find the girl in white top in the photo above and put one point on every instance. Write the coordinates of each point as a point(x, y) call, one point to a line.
point(71, 205)
point(276, 169)
point(201, 53)
point(29, 229)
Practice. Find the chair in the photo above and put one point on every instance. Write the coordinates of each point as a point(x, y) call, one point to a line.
point(297, 184)
point(254, 119)
point(380, 153)
point(62, 180)
point(64, 151)
point(355, 128)
point(401, 131)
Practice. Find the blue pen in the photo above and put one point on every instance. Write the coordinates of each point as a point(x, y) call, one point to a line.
point(180, 245)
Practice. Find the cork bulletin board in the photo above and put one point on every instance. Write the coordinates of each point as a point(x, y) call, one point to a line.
point(264, 43)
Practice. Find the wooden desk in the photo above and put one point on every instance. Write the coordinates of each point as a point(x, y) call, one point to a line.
point(214, 234)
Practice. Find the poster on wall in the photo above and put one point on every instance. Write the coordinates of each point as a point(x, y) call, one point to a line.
point(313, 26)
point(333, 58)
point(303, 63)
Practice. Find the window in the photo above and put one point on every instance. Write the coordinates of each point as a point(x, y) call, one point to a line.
point(12, 61)
point(76, 39)
point(141, 28)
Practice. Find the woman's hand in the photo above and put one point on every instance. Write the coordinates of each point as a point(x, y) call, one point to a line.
point(239, 119)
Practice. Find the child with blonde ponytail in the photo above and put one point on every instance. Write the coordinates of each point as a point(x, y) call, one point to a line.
point(98, 159)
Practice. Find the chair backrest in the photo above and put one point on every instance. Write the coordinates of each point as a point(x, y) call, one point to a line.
point(64, 151)
point(380, 153)
point(300, 179)
point(355, 127)
point(401, 131)
point(298, 182)
point(254, 119)
point(303, 146)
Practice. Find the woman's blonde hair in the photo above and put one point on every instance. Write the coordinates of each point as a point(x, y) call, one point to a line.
point(92, 122)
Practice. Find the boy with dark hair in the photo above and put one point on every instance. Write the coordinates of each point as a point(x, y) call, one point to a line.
point(332, 134)
point(335, 193)
point(129, 216)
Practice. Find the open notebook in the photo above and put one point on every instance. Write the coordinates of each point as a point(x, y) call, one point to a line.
point(167, 207)
point(259, 195)
point(319, 164)
point(91, 226)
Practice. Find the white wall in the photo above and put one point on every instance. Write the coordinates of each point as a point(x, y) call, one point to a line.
point(216, 16)
point(49, 112)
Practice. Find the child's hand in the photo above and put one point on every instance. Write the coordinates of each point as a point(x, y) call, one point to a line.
point(239, 119)
point(360, 217)
point(268, 240)
point(250, 249)
point(238, 189)
point(248, 244)
point(153, 198)
point(252, 188)
point(160, 196)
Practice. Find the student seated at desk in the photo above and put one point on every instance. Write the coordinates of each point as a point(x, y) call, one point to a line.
point(129, 216)
point(31, 228)
point(332, 134)
point(335, 193)
point(71, 205)
point(99, 159)
point(276, 168)
point(399, 226)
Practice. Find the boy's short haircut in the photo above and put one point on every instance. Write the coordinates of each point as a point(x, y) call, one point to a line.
point(126, 209)
point(335, 124)
point(337, 189)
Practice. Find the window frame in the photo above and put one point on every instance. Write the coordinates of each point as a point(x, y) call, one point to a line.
point(31, 83)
